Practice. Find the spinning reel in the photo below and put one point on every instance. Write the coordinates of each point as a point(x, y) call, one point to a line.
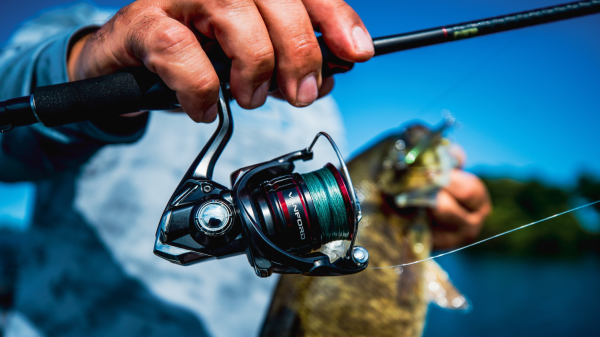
point(276, 217)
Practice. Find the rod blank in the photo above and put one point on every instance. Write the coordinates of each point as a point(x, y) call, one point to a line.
point(465, 30)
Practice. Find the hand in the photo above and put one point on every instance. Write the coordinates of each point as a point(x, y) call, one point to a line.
point(462, 207)
point(166, 36)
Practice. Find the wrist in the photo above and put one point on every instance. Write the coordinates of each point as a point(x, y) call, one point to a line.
point(73, 59)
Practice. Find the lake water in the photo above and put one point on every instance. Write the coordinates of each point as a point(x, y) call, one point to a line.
point(512, 296)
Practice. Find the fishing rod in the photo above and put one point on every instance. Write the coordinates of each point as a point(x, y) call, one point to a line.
point(138, 89)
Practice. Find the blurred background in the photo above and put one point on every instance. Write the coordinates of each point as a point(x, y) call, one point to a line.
point(527, 107)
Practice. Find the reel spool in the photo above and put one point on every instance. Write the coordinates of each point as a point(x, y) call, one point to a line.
point(302, 212)
point(277, 217)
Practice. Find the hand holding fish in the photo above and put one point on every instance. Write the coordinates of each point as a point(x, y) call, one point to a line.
point(462, 206)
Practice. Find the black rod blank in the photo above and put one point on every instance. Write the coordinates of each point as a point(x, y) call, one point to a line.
point(465, 30)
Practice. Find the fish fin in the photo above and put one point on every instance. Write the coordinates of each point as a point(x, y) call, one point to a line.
point(440, 290)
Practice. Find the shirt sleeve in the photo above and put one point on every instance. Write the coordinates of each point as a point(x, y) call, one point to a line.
point(36, 55)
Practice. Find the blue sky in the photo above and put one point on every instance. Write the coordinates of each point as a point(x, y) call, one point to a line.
point(527, 100)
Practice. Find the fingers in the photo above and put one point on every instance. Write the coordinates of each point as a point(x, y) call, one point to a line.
point(296, 47)
point(143, 34)
point(171, 50)
point(462, 207)
point(344, 32)
point(241, 32)
point(164, 35)
point(453, 224)
point(467, 189)
point(326, 86)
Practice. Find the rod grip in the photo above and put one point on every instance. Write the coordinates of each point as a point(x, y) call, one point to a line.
point(78, 101)
point(134, 89)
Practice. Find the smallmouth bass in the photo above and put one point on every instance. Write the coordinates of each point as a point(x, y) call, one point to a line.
point(396, 179)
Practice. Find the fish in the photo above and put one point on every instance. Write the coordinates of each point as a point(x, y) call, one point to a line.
point(396, 179)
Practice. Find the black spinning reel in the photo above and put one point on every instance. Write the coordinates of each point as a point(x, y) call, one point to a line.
point(278, 218)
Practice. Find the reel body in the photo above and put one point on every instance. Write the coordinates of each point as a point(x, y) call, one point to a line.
point(277, 217)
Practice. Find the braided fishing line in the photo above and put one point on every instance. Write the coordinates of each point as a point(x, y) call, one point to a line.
point(329, 204)
point(490, 238)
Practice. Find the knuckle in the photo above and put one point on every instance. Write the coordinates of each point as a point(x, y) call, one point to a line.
point(123, 15)
point(121, 20)
point(236, 5)
point(345, 11)
point(444, 199)
point(263, 57)
point(209, 84)
point(339, 6)
point(279, 2)
point(304, 45)
point(170, 39)
point(139, 26)
point(282, 5)
point(474, 222)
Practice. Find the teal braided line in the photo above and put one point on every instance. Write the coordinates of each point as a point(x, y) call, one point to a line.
point(336, 205)
point(319, 197)
point(329, 204)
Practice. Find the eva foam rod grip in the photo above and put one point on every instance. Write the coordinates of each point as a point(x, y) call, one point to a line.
point(110, 95)
point(134, 89)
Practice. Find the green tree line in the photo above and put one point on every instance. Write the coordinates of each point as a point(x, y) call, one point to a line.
point(516, 203)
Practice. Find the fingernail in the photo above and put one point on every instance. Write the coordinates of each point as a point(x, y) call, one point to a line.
point(260, 95)
point(307, 90)
point(210, 114)
point(362, 41)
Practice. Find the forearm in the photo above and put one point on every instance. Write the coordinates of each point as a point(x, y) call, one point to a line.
point(34, 152)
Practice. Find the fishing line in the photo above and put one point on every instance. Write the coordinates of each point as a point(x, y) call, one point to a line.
point(484, 240)
point(444, 94)
point(329, 204)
